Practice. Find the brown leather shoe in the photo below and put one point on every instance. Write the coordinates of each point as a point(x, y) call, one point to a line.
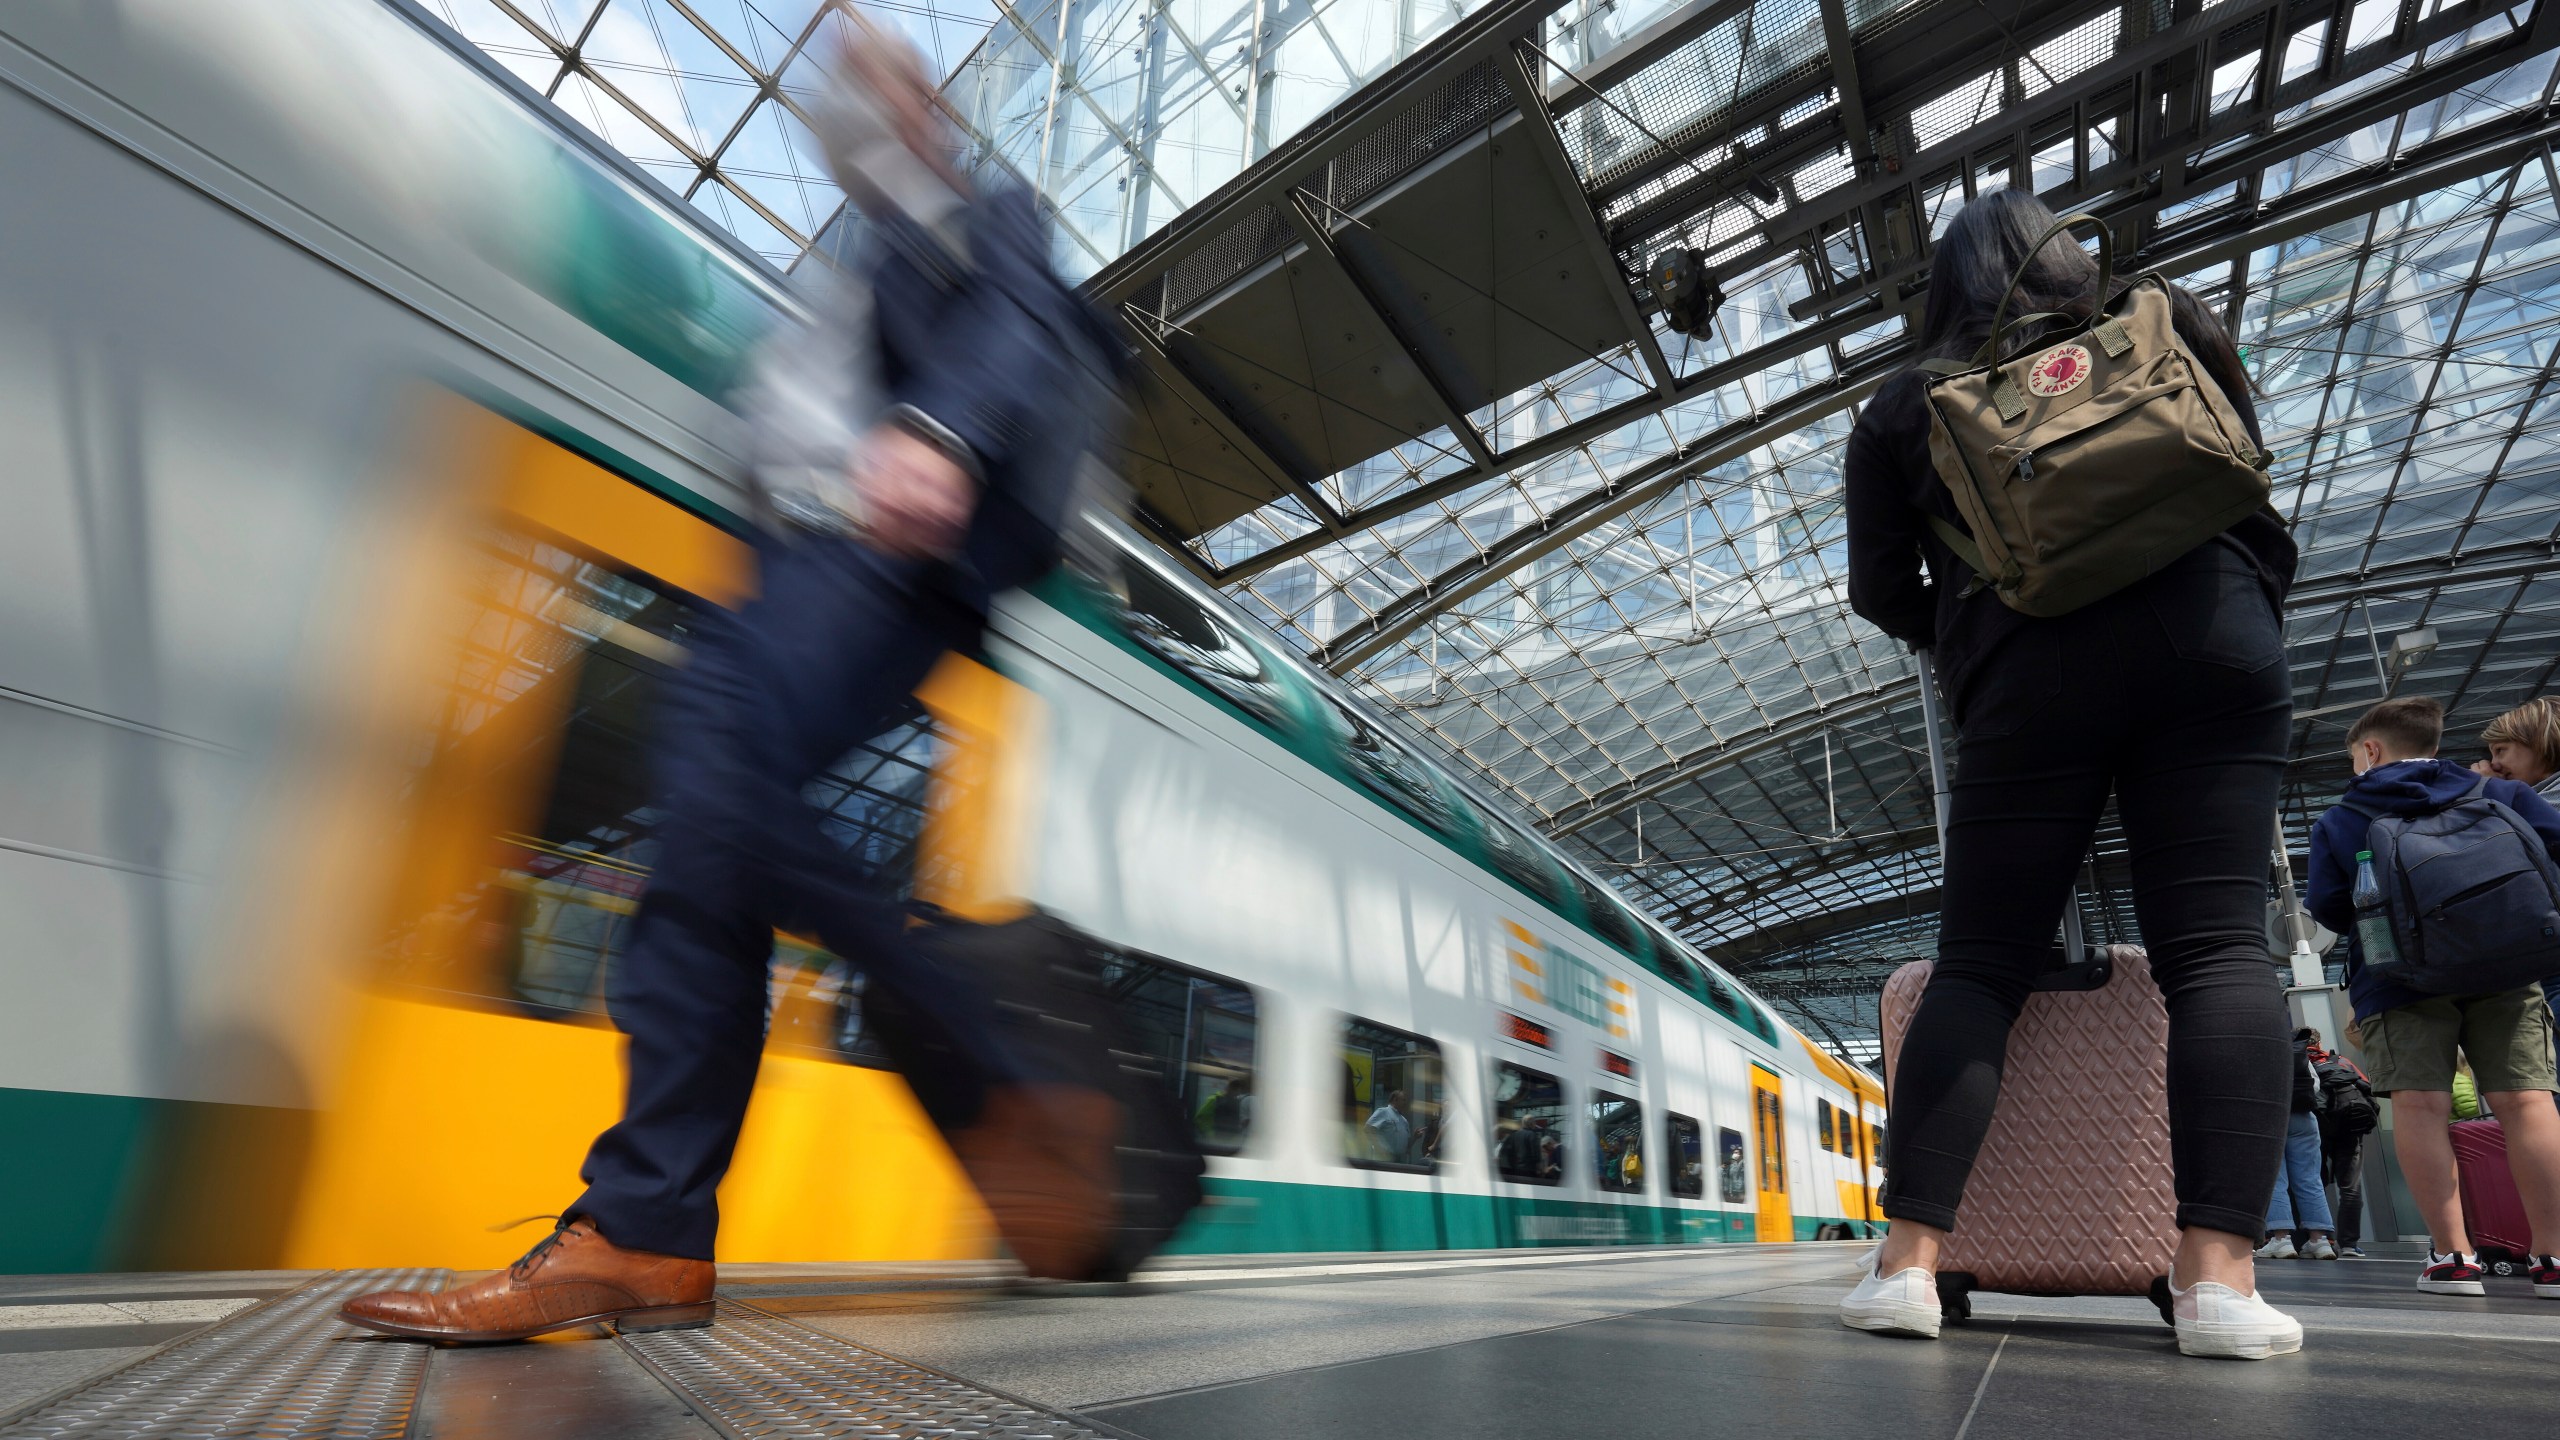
point(1043, 1158)
point(573, 1277)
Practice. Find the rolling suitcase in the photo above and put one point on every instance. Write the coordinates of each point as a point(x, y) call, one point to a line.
point(2071, 1194)
point(2492, 1210)
point(1054, 1005)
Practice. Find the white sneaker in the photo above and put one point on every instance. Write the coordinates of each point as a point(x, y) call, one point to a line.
point(2220, 1323)
point(2319, 1249)
point(1903, 1303)
point(2280, 1248)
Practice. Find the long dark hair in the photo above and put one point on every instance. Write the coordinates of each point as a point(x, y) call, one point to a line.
point(1987, 242)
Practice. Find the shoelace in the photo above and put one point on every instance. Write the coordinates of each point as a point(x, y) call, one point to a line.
point(531, 1259)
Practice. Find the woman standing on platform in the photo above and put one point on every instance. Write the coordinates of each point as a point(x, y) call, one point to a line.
point(2524, 746)
point(2172, 695)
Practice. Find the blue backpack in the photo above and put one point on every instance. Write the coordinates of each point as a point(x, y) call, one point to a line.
point(2473, 894)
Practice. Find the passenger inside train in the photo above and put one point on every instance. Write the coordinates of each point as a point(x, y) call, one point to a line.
point(1217, 720)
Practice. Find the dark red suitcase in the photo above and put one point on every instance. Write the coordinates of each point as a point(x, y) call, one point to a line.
point(2492, 1210)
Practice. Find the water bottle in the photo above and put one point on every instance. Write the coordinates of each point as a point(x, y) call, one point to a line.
point(2373, 916)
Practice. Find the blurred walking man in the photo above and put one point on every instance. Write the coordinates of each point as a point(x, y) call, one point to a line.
point(918, 452)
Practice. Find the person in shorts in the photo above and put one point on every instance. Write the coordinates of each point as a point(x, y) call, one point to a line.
point(2411, 1039)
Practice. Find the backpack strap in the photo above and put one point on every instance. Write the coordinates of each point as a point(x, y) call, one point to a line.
point(1966, 551)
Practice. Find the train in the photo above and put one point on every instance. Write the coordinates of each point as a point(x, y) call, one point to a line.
point(368, 473)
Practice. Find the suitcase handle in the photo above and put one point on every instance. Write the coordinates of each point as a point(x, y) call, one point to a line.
point(2092, 974)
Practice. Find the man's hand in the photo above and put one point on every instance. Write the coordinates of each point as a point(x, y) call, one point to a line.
point(915, 501)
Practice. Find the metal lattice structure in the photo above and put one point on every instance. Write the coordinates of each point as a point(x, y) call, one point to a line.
point(1600, 563)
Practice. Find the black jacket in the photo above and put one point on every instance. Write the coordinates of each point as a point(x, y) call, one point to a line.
point(1906, 582)
point(1009, 360)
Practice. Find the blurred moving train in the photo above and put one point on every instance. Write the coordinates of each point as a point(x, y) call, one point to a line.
point(365, 475)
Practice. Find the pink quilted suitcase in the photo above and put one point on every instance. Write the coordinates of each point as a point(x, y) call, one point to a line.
point(2071, 1194)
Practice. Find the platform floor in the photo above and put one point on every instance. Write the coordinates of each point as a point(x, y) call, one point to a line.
point(1621, 1343)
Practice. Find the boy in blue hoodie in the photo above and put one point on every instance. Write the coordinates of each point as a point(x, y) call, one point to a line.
point(2410, 1037)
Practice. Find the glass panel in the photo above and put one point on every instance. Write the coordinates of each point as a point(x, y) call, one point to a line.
point(1822, 1123)
point(1392, 1100)
point(1687, 1152)
point(1203, 1030)
point(1733, 1171)
point(1617, 1143)
point(1528, 1125)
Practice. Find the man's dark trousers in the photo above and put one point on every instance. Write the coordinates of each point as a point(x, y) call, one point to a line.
point(826, 657)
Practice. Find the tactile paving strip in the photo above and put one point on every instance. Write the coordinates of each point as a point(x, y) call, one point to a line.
point(755, 1375)
point(287, 1368)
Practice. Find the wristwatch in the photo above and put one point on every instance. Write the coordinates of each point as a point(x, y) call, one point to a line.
point(940, 436)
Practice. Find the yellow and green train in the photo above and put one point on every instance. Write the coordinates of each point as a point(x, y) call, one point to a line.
point(355, 512)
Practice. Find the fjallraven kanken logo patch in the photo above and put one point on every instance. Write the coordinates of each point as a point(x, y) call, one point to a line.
point(2060, 371)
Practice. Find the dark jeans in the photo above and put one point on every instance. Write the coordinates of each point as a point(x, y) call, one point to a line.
point(2173, 695)
point(770, 695)
point(2345, 1157)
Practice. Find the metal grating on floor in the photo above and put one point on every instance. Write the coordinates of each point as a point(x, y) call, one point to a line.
point(755, 1374)
point(286, 1368)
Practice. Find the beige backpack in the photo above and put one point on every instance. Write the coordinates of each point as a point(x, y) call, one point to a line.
point(2085, 465)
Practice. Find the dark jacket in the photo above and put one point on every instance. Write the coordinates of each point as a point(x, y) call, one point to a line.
point(1891, 488)
point(2403, 787)
point(2306, 1081)
point(1004, 357)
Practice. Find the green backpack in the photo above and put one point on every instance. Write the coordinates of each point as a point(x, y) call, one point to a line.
point(2084, 466)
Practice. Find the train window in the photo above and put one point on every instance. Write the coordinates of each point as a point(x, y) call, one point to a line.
point(1609, 918)
point(1875, 1140)
point(1516, 856)
point(1822, 1123)
point(1393, 1102)
point(1773, 1150)
point(551, 709)
point(1686, 1154)
point(1383, 766)
point(1202, 1031)
point(1733, 1171)
point(1195, 640)
point(1528, 1125)
point(1617, 1143)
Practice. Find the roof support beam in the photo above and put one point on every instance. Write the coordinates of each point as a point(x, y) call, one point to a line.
point(2012, 129)
point(1197, 381)
point(1591, 510)
point(1269, 180)
point(1390, 302)
point(2475, 153)
point(1564, 437)
point(1575, 819)
point(1538, 123)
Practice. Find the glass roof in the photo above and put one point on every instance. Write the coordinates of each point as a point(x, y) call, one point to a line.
point(1643, 638)
point(707, 95)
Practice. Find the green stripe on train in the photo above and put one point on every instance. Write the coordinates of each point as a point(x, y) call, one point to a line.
point(94, 1182)
point(123, 1182)
point(1248, 1217)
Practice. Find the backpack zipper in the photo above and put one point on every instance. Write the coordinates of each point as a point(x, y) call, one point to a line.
point(2024, 467)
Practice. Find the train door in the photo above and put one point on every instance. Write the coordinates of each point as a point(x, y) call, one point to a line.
point(1777, 1220)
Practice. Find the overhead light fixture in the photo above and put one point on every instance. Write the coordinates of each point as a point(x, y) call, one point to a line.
point(2409, 647)
point(1689, 299)
point(1762, 188)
